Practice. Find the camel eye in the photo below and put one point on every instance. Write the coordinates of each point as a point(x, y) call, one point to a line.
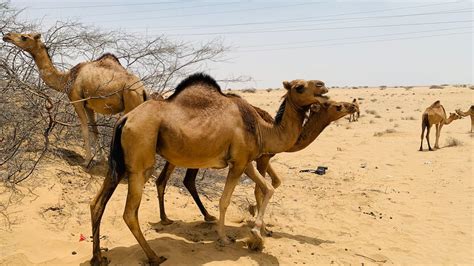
point(299, 89)
point(23, 38)
point(338, 108)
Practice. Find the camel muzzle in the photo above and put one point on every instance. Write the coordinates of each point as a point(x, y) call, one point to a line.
point(6, 39)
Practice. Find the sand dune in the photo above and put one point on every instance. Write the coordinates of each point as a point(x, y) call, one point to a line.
point(381, 200)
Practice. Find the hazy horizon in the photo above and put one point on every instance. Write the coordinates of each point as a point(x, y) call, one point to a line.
point(349, 43)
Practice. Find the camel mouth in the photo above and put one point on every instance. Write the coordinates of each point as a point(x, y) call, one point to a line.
point(6, 39)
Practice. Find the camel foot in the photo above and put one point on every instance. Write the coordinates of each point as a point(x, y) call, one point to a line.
point(166, 221)
point(430, 149)
point(157, 261)
point(256, 242)
point(210, 219)
point(99, 261)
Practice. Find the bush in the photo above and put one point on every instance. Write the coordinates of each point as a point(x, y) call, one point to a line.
point(453, 142)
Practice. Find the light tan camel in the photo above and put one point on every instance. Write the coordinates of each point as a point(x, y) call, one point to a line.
point(435, 114)
point(103, 85)
point(199, 127)
point(355, 116)
point(320, 117)
point(469, 112)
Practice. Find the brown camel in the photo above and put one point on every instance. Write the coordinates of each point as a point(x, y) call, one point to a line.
point(469, 112)
point(435, 114)
point(103, 85)
point(318, 119)
point(199, 127)
point(355, 116)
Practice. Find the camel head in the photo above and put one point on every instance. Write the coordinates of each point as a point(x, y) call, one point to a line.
point(305, 92)
point(454, 116)
point(30, 42)
point(334, 110)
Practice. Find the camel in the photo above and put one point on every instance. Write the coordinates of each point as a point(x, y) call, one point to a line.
point(319, 118)
point(469, 112)
point(435, 114)
point(101, 86)
point(199, 127)
point(355, 116)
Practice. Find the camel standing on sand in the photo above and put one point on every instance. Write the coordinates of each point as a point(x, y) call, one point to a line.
point(103, 85)
point(318, 119)
point(469, 112)
point(435, 114)
point(355, 115)
point(199, 127)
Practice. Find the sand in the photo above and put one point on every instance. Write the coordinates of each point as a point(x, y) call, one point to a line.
point(381, 200)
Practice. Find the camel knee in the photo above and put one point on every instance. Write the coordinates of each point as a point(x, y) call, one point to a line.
point(276, 183)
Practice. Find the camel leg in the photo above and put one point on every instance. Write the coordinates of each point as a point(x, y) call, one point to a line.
point(438, 133)
point(472, 122)
point(428, 137)
point(81, 113)
point(422, 136)
point(267, 189)
point(97, 207)
point(161, 186)
point(233, 176)
point(93, 123)
point(136, 182)
point(190, 184)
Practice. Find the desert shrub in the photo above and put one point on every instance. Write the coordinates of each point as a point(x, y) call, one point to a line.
point(373, 100)
point(269, 89)
point(249, 90)
point(408, 118)
point(387, 131)
point(471, 87)
point(378, 116)
point(371, 112)
point(398, 107)
point(436, 87)
point(453, 142)
point(383, 87)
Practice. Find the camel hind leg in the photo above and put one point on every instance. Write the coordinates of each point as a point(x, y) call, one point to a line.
point(428, 137)
point(190, 184)
point(97, 207)
point(160, 187)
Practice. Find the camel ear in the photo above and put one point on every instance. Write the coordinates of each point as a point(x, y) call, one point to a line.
point(36, 36)
point(354, 100)
point(286, 85)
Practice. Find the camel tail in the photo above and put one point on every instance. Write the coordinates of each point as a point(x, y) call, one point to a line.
point(116, 157)
point(425, 123)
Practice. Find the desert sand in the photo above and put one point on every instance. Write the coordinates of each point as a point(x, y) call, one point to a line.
point(380, 201)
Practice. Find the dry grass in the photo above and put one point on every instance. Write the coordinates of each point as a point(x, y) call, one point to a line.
point(378, 116)
point(387, 131)
point(436, 87)
point(249, 90)
point(372, 112)
point(453, 142)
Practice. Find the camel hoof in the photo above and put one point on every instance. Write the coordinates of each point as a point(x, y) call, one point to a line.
point(157, 261)
point(166, 221)
point(210, 219)
point(256, 242)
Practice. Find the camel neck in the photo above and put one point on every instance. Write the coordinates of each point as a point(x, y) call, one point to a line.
point(314, 126)
point(48, 73)
point(448, 121)
point(280, 136)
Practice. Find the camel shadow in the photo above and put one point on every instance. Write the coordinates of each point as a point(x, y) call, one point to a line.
point(71, 157)
point(193, 244)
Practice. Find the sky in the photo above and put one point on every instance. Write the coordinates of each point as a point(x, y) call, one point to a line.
point(344, 43)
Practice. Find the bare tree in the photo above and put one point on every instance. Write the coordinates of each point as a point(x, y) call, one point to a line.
point(36, 121)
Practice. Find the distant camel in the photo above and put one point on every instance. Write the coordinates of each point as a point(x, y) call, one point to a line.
point(103, 85)
point(355, 116)
point(320, 117)
point(199, 127)
point(469, 112)
point(435, 114)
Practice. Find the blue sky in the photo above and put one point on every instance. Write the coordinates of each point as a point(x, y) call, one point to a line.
point(353, 43)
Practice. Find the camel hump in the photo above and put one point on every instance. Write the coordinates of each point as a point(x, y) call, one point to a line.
point(108, 56)
point(436, 104)
point(194, 79)
point(472, 108)
point(263, 114)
